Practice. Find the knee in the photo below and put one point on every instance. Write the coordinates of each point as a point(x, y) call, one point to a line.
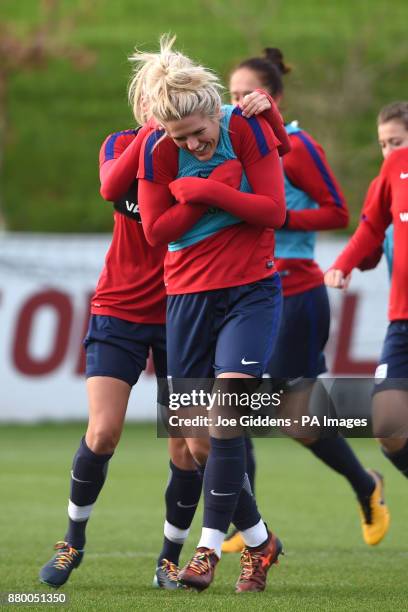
point(296, 432)
point(199, 449)
point(102, 441)
point(200, 457)
point(180, 454)
point(392, 445)
point(306, 441)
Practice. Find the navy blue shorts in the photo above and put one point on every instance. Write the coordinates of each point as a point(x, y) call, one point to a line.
point(302, 336)
point(223, 330)
point(392, 369)
point(118, 348)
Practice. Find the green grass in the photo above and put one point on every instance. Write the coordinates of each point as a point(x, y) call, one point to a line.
point(326, 566)
point(349, 59)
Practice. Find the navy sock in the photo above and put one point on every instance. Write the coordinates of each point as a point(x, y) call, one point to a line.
point(170, 551)
point(87, 479)
point(246, 513)
point(223, 480)
point(338, 455)
point(201, 470)
point(250, 462)
point(182, 496)
point(399, 459)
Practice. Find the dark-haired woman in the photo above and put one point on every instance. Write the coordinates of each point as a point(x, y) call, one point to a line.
point(314, 203)
point(385, 214)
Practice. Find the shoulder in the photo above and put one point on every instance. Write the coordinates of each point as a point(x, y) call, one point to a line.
point(254, 131)
point(118, 140)
point(302, 142)
point(396, 165)
point(306, 156)
point(373, 185)
point(158, 157)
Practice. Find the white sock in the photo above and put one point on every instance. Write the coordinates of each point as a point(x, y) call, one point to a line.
point(79, 513)
point(174, 534)
point(212, 538)
point(256, 535)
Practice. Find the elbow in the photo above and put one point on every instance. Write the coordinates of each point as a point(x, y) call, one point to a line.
point(284, 148)
point(108, 193)
point(279, 218)
point(342, 218)
point(153, 238)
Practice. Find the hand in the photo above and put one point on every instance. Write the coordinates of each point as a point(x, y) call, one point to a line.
point(193, 190)
point(254, 104)
point(229, 173)
point(188, 190)
point(346, 281)
point(336, 279)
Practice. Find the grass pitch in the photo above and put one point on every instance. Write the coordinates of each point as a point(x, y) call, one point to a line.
point(326, 566)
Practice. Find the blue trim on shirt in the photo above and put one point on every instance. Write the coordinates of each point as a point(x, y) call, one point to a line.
point(321, 167)
point(110, 144)
point(148, 153)
point(257, 131)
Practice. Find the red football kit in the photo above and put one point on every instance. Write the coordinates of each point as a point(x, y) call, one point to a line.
point(236, 255)
point(372, 260)
point(306, 168)
point(389, 204)
point(131, 284)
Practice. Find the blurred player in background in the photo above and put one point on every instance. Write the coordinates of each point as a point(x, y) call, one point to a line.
point(223, 292)
point(392, 130)
point(128, 313)
point(387, 203)
point(314, 203)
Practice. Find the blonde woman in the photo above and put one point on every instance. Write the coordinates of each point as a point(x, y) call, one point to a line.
point(224, 295)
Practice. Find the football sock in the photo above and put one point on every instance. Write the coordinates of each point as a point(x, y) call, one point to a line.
point(255, 536)
point(338, 455)
point(399, 459)
point(173, 541)
point(223, 480)
point(182, 496)
point(250, 462)
point(246, 519)
point(246, 513)
point(87, 478)
point(212, 538)
point(201, 470)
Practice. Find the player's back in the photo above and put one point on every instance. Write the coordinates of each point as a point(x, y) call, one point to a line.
point(131, 284)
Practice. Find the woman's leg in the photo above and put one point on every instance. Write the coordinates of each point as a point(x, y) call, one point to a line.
point(184, 484)
point(244, 343)
point(299, 357)
point(108, 398)
point(182, 496)
point(390, 417)
point(116, 352)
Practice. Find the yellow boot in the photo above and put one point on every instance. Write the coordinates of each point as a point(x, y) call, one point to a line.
point(375, 517)
point(234, 543)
